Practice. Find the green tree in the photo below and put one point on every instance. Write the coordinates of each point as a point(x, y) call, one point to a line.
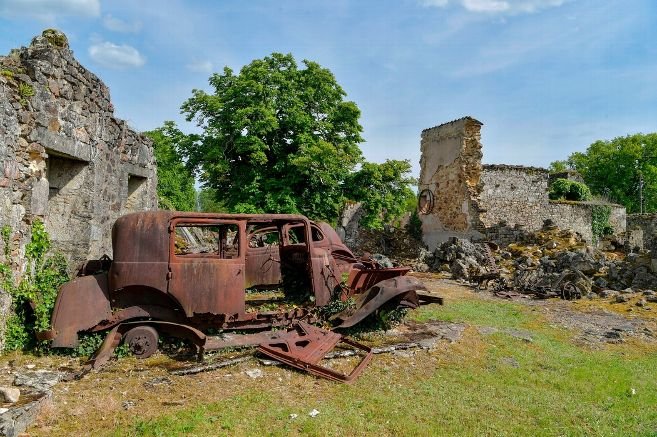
point(383, 189)
point(277, 138)
point(559, 166)
point(208, 201)
point(175, 182)
point(616, 169)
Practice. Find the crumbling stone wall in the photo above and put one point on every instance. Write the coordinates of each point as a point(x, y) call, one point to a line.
point(517, 197)
point(642, 231)
point(65, 158)
point(450, 175)
point(501, 203)
point(513, 195)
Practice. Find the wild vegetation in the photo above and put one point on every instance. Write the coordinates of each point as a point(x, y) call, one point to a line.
point(565, 189)
point(175, 183)
point(622, 170)
point(33, 295)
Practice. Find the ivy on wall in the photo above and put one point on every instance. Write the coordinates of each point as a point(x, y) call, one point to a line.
point(33, 296)
point(600, 225)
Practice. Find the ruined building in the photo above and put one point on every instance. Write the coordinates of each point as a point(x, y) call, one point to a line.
point(459, 196)
point(66, 159)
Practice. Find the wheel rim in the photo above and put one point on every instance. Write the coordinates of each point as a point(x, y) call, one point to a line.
point(142, 341)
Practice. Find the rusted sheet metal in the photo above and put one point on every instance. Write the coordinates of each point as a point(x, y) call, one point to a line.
point(304, 346)
point(363, 277)
point(81, 304)
point(400, 290)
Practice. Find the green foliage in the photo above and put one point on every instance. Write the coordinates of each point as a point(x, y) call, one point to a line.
point(614, 169)
point(335, 306)
point(414, 226)
point(558, 166)
point(565, 189)
point(383, 190)
point(33, 298)
point(277, 138)
point(5, 234)
point(600, 221)
point(175, 182)
point(7, 73)
point(55, 37)
point(208, 201)
point(24, 92)
point(89, 344)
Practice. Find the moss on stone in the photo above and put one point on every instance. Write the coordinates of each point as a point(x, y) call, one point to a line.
point(55, 38)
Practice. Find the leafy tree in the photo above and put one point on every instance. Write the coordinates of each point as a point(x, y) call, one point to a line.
point(614, 169)
point(208, 201)
point(277, 138)
point(383, 189)
point(175, 182)
point(559, 166)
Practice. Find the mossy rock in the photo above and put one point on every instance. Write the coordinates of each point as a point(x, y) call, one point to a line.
point(55, 38)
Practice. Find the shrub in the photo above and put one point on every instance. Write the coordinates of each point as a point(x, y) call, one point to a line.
point(600, 221)
point(414, 226)
point(565, 189)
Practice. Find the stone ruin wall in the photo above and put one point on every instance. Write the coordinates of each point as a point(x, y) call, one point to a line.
point(513, 195)
point(642, 231)
point(516, 197)
point(495, 202)
point(66, 159)
point(450, 169)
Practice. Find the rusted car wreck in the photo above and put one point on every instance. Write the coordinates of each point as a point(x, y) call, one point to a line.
point(180, 274)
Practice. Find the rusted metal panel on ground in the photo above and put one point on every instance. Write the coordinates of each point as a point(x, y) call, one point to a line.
point(305, 346)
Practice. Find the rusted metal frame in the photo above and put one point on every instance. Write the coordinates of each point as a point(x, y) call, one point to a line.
point(305, 346)
point(428, 298)
point(238, 340)
point(271, 319)
point(139, 311)
point(192, 221)
point(113, 338)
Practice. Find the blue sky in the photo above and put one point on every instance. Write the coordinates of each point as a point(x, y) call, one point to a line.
point(546, 77)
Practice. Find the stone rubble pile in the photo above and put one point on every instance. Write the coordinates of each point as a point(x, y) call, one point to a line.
point(22, 395)
point(547, 262)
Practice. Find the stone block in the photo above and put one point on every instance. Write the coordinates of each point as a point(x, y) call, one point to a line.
point(40, 191)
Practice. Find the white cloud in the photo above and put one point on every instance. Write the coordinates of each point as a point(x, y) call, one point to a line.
point(116, 56)
point(118, 25)
point(200, 66)
point(47, 10)
point(498, 6)
point(435, 3)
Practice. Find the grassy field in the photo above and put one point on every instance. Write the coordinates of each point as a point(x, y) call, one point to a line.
point(490, 382)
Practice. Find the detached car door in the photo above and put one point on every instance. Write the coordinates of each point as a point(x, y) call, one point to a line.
point(206, 265)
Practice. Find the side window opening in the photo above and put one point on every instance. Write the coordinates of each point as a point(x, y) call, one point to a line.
point(296, 234)
point(264, 238)
point(316, 233)
point(200, 240)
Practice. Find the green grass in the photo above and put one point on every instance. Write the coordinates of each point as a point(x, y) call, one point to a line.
point(478, 313)
point(482, 385)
